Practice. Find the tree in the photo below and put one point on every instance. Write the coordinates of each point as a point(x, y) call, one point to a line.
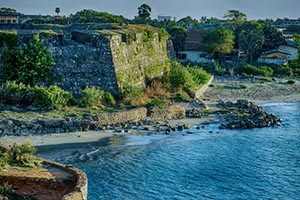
point(273, 38)
point(251, 39)
point(218, 41)
point(295, 64)
point(144, 12)
point(57, 10)
point(178, 35)
point(235, 16)
point(188, 22)
point(8, 10)
point(28, 64)
point(92, 16)
point(297, 40)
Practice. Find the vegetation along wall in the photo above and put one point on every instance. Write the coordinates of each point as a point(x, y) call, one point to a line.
point(111, 59)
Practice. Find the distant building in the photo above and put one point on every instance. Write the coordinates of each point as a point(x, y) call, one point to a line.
point(165, 18)
point(276, 56)
point(9, 17)
point(285, 22)
point(291, 48)
point(192, 51)
point(281, 55)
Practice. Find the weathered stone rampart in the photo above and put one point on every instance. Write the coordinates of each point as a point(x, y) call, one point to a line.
point(110, 59)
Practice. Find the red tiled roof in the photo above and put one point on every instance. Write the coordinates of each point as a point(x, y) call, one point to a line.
point(193, 40)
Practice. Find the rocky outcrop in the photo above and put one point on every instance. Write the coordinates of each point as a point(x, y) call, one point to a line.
point(246, 115)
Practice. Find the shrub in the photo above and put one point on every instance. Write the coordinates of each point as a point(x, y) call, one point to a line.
point(7, 190)
point(108, 99)
point(8, 38)
point(256, 71)
point(28, 64)
point(182, 96)
point(179, 77)
point(291, 82)
point(157, 89)
point(188, 78)
point(134, 96)
point(157, 102)
point(93, 97)
point(51, 96)
point(199, 75)
point(21, 156)
point(13, 93)
point(219, 70)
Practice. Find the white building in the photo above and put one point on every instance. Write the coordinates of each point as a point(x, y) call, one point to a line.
point(192, 51)
point(281, 55)
point(161, 18)
point(291, 48)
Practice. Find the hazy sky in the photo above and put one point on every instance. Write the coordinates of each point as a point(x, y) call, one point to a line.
point(178, 8)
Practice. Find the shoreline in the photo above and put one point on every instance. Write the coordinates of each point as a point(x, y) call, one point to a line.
point(269, 93)
point(95, 136)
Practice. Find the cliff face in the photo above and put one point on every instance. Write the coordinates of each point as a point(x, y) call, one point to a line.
point(110, 59)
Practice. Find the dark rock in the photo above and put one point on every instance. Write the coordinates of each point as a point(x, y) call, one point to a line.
point(247, 116)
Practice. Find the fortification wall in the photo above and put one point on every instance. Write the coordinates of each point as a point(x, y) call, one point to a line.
point(141, 58)
point(107, 59)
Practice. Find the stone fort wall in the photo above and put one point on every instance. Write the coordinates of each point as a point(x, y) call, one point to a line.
point(106, 59)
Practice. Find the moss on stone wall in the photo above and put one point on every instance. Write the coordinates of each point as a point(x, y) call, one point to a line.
point(8, 38)
point(157, 70)
point(139, 56)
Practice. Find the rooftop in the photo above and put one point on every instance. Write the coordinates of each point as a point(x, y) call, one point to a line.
point(10, 14)
point(193, 40)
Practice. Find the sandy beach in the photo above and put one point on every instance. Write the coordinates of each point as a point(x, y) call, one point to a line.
point(57, 139)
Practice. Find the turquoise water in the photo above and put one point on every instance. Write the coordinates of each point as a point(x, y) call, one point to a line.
point(225, 164)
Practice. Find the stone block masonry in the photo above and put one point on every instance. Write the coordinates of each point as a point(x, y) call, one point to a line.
point(109, 59)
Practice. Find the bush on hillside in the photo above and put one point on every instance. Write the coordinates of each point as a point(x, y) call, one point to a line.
point(21, 156)
point(255, 71)
point(188, 78)
point(93, 97)
point(52, 96)
point(13, 93)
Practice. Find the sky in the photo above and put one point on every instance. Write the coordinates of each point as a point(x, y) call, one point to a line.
point(255, 9)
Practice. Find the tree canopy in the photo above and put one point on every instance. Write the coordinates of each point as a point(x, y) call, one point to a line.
point(273, 38)
point(57, 10)
point(90, 16)
point(28, 64)
point(178, 35)
point(251, 39)
point(235, 15)
point(144, 12)
point(8, 10)
point(218, 41)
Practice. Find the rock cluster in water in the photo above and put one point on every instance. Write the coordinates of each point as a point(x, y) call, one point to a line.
point(246, 115)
